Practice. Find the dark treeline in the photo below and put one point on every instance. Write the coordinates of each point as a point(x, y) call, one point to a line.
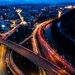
point(68, 27)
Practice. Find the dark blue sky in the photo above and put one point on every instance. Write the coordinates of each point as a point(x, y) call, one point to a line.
point(40, 1)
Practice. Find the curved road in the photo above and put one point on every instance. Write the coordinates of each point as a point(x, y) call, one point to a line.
point(3, 70)
point(10, 63)
point(51, 54)
point(5, 35)
point(39, 61)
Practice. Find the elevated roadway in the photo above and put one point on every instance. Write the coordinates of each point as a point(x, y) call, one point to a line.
point(38, 60)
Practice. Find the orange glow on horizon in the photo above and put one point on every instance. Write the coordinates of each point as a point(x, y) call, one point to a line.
point(70, 7)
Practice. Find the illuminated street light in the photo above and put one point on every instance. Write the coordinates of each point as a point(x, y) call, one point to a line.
point(3, 26)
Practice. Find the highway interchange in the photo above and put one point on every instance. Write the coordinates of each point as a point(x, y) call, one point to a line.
point(49, 64)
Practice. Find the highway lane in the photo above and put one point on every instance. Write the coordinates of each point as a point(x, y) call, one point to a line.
point(50, 57)
point(51, 54)
point(14, 68)
point(34, 44)
point(11, 65)
point(5, 35)
point(38, 60)
point(35, 47)
point(19, 72)
point(3, 70)
point(19, 14)
point(25, 40)
point(34, 41)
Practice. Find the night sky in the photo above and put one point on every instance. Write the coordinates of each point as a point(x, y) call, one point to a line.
point(39, 1)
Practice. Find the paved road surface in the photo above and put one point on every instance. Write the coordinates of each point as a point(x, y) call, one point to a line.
point(3, 70)
point(39, 61)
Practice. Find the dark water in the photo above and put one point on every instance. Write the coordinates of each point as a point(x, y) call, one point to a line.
point(61, 49)
point(53, 41)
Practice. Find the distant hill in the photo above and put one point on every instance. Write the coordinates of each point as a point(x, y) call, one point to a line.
point(63, 30)
point(67, 3)
point(68, 23)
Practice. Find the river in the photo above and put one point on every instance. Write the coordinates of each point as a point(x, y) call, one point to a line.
point(60, 47)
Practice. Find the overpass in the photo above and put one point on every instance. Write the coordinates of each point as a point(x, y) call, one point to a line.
point(38, 60)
